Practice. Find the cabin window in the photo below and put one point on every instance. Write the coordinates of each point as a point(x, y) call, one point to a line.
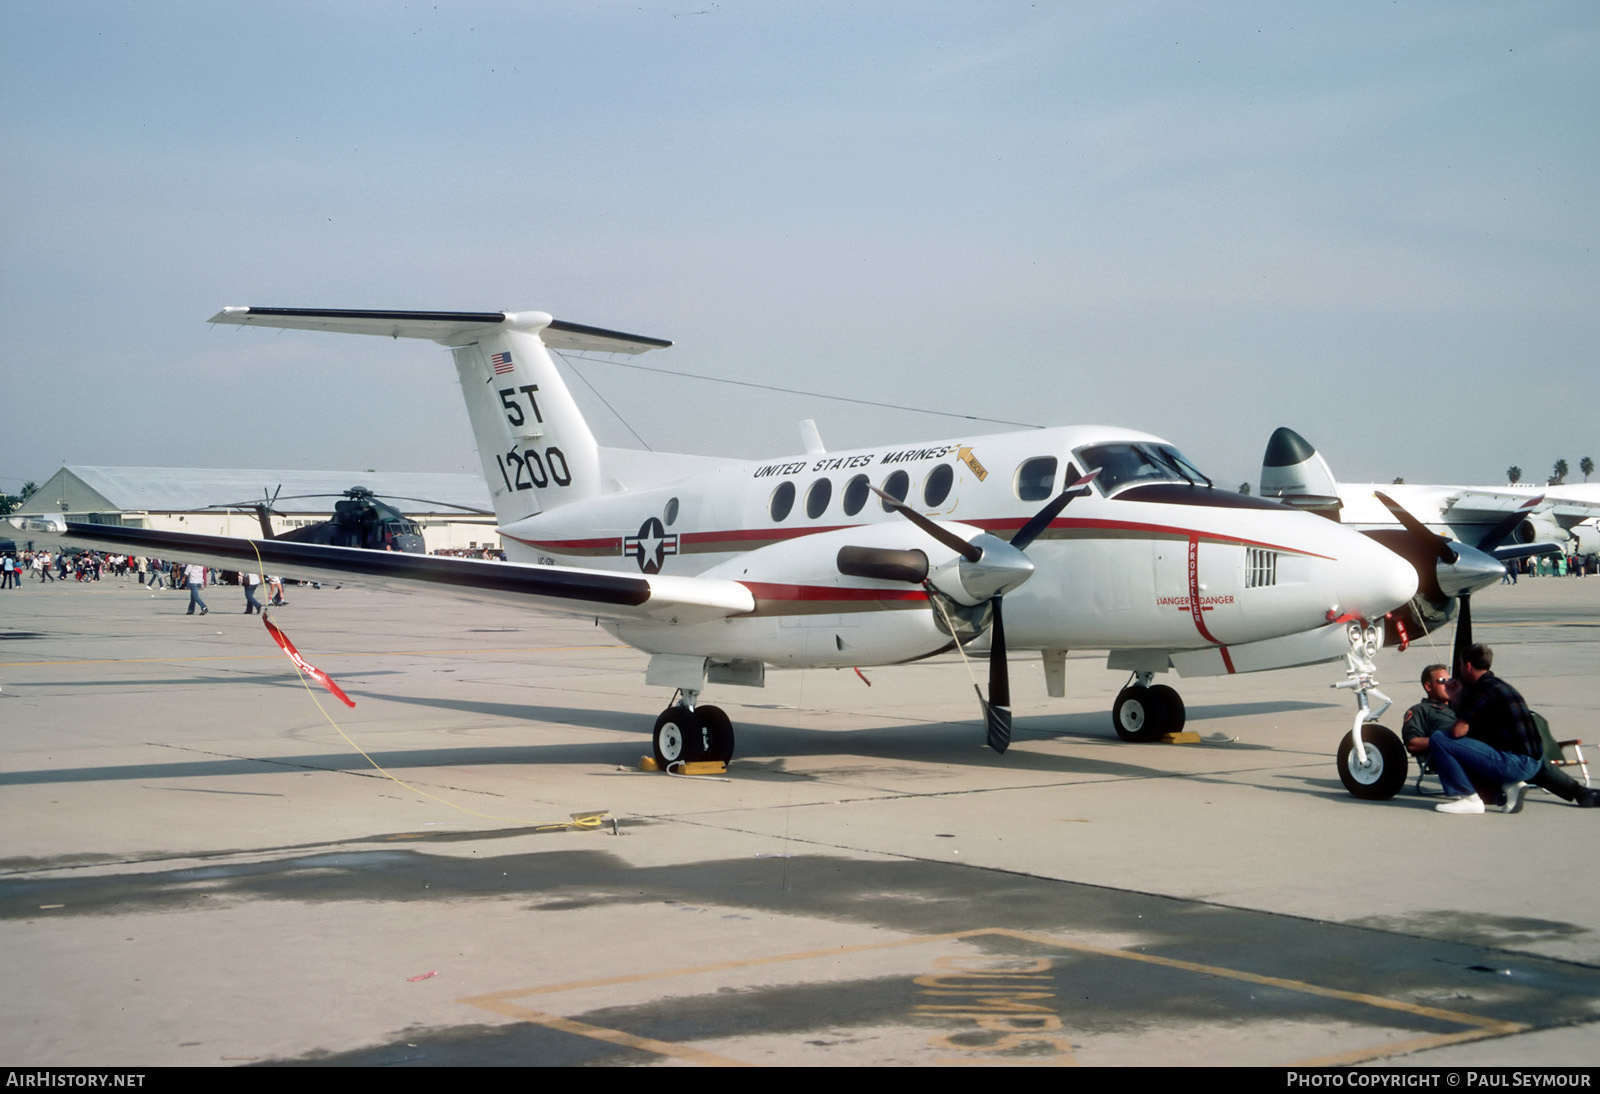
point(856, 493)
point(817, 498)
point(897, 486)
point(937, 487)
point(782, 501)
point(671, 514)
point(1036, 478)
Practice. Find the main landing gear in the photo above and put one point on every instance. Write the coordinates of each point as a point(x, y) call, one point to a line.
point(686, 733)
point(1146, 713)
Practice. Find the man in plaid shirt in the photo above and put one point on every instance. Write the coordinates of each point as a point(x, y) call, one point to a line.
point(1495, 740)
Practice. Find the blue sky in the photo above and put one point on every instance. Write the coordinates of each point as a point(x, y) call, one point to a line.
point(1375, 223)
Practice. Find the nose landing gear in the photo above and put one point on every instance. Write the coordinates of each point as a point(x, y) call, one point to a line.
point(1372, 761)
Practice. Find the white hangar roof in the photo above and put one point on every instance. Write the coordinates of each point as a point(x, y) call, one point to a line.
point(78, 488)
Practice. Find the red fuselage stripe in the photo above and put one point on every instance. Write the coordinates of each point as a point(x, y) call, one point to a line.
point(768, 590)
point(614, 543)
point(1011, 524)
point(744, 534)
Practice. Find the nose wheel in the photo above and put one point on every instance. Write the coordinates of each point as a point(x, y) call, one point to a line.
point(1382, 773)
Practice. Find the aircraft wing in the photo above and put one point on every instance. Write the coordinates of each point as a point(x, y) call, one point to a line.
point(1470, 506)
point(590, 593)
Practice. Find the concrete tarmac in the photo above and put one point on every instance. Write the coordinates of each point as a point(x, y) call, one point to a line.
point(199, 867)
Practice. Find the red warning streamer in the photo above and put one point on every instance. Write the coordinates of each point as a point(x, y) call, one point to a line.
point(306, 666)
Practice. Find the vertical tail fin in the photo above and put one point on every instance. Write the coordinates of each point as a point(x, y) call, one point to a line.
point(1296, 474)
point(536, 448)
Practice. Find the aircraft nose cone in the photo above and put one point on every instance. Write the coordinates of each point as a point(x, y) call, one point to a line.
point(1379, 580)
point(1472, 570)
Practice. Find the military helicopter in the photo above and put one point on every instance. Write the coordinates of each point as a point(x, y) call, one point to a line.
point(362, 519)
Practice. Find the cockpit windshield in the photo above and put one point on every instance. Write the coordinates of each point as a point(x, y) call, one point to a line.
point(1141, 462)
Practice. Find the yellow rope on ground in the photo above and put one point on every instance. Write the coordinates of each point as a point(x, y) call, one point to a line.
point(578, 821)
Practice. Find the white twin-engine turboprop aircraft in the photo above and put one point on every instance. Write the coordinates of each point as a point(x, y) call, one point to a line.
point(1091, 537)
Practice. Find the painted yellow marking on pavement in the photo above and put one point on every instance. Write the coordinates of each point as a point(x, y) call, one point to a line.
point(1478, 1027)
point(718, 966)
point(1267, 981)
point(1396, 1048)
point(1482, 1027)
point(613, 1036)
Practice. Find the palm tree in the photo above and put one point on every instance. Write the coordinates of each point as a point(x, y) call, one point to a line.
point(10, 502)
point(1513, 474)
point(1244, 488)
point(1586, 465)
point(1560, 475)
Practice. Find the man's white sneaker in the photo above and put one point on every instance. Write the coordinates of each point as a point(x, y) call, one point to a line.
point(1470, 804)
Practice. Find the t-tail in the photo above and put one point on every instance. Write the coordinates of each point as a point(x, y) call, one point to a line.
point(538, 452)
point(1295, 473)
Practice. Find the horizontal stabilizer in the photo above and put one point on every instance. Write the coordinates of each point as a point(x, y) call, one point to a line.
point(446, 327)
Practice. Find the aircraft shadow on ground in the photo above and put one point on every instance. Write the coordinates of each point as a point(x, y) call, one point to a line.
point(764, 752)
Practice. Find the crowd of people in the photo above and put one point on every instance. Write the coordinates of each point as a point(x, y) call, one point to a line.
point(152, 573)
point(1552, 565)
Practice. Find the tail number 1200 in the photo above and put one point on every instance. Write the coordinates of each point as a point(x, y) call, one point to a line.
point(531, 471)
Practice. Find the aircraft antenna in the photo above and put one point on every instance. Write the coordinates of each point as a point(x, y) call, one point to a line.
point(596, 391)
point(808, 394)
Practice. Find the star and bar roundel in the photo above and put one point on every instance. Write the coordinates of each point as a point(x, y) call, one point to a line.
point(651, 546)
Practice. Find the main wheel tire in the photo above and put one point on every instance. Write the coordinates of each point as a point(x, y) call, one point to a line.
point(677, 737)
point(1384, 773)
point(716, 733)
point(1139, 714)
point(1177, 713)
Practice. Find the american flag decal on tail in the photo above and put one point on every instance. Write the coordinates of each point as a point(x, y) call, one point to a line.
point(502, 363)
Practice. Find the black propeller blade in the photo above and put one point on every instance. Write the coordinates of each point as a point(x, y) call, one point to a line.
point(997, 709)
point(1458, 650)
point(933, 528)
point(1417, 528)
point(913, 566)
point(1041, 520)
